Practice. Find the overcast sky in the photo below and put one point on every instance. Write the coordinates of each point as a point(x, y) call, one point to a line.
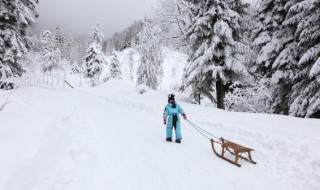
point(80, 15)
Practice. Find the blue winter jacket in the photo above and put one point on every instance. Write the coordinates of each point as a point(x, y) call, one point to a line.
point(170, 112)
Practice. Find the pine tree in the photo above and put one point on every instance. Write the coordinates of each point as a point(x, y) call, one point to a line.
point(217, 46)
point(275, 45)
point(115, 68)
point(150, 71)
point(305, 97)
point(50, 55)
point(15, 19)
point(94, 58)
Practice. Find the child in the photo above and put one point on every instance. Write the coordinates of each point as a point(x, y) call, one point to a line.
point(173, 110)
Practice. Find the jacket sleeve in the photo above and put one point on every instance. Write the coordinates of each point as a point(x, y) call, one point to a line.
point(165, 113)
point(180, 110)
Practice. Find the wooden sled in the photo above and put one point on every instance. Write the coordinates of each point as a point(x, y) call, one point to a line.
point(238, 150)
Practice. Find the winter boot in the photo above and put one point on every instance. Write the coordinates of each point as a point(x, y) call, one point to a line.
point(178, 141)
point(169, 139)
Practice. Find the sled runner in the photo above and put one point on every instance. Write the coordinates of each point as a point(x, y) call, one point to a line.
point(238, 150)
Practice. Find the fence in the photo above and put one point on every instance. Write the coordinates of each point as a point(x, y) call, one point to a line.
point(55, 80)
point(58, 80)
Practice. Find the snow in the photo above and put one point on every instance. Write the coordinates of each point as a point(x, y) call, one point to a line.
point(112, 137)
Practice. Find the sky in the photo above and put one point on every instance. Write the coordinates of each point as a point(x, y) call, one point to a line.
point(80, 15)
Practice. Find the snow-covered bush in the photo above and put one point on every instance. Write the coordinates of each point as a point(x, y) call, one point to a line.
point(256, 98)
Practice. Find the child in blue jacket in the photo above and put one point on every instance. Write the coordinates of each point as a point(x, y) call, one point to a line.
point(172, 110)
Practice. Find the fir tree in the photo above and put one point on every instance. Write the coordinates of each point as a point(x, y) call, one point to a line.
point(305, 96)
point(15, 19)
point(115, 69)
point(50, 55)
point(275, 45)
point(94, 58)
point(217, 46)
point(150, 71)
point(97, 36)
point(58, 38)
point(68, 48)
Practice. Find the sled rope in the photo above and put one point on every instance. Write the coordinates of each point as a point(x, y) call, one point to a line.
point(202, 131)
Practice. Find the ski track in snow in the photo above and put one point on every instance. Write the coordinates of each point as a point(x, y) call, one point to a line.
point(113, 138)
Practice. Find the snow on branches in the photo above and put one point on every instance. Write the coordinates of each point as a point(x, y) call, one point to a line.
point(216, 42)
point(94, 59)
point(16, 16)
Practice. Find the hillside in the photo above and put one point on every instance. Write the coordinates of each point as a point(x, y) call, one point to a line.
point(112, 137)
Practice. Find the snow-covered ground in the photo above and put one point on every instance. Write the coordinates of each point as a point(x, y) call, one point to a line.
point(112, 137)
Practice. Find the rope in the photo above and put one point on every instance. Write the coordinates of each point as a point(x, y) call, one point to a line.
point(198, 130)
point(202, 131)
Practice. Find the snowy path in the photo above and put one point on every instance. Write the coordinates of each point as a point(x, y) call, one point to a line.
point(113, 138)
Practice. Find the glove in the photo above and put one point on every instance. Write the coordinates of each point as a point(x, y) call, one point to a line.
point(184, 116)
point(165, 122)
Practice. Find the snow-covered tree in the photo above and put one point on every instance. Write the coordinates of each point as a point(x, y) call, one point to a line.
point(15, 19)
point(94, 58)
point(173, 17)
point(80, 47)
point(97, 36)
point(58, 38)
point(115, 69)
point(50, 55)
point(75, 68)
point(68, 47)
point(217, 46)
point(304, 15)
point(276, 52)
point(131, 66)
point(150, 71)
point(93, 61)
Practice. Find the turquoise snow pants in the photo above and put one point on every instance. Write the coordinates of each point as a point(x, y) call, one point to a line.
point(170, 127)
point(173, 120)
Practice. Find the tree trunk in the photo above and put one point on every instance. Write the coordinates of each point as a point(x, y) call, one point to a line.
point(220, 90)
